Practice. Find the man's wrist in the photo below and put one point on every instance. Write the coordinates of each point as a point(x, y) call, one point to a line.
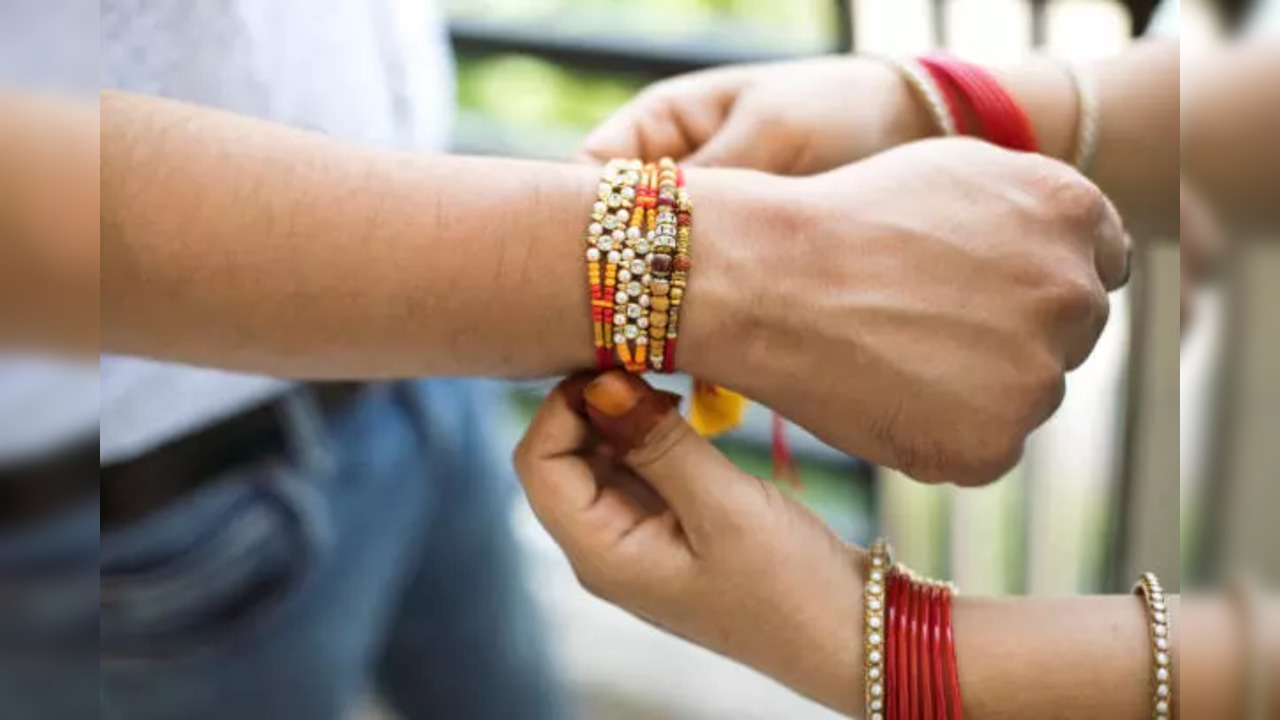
point(733, 211)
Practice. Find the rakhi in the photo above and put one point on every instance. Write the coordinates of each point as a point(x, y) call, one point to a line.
point(639, 254)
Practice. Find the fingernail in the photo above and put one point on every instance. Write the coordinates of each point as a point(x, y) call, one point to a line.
point(624, 409)
point(614, 393)
point(1128, 265)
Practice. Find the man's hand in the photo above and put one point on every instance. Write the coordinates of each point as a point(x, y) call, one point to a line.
point(919, 309)
point(794, 118)
point(654, 519)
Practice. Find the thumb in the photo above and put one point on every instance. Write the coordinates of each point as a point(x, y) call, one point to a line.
point(701, 485)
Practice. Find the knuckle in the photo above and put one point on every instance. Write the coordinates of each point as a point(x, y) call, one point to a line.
point(999, 453)
point(670, 433)
point(1069, 195)
point(1075, 297)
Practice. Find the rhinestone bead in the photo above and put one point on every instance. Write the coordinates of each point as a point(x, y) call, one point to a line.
point(634, 288)
point(644, 301)
point(874, 603)
point(595, 229)
point(874, 589)
point(877, 576)
point(1162, 659)
point(638, 266)
point(643, 247)
point(610, 222)
point(631, 332)
point(599, 208)
point(619, 236)
point(874, 673)
point(877, 716)
point(621, 298)
point(628, 254)
point(874, 656)
point(593, 254)
point(1160, 617)
point(1162, 690)
point(628, 193)
point(877, 704)
point(1161, 631)
point(875, 622)
point(877, 561)
point(877, 690)
point(619, 339)
point(1162, 674)
point(613, 256)
point(605, 244)
point(634, 311)
point(1162, 643)
point(642, 340)
point(624, 276)
point(1162, 706)
point(623, 215)
point(619, 319)
point(615, 200)
point(642, 323)
point(874, 638)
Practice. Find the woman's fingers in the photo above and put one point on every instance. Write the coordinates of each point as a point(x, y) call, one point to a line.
point(705, 490)
point(587, 511)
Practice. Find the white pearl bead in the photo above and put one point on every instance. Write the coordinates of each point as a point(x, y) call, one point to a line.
point(628, 254)
point(624, 276)
point(1162, 674)
point(593, 254)
point(595, 229)
point(874, 656)
point(1162, 706)
point(633, 233)
point(1162, 690)
point(874, 638)
point(613, 256)
point(1162, 659)
point(620, 298)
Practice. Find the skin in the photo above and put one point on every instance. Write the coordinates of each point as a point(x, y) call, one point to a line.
point(654, 519)
point(239, 244)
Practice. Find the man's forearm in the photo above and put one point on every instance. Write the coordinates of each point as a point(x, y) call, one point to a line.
point(239, 244)
point(48, 238)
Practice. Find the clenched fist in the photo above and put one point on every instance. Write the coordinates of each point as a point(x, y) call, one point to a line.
point(919, 309)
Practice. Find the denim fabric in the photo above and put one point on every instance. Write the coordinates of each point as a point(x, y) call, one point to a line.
point(376, 553)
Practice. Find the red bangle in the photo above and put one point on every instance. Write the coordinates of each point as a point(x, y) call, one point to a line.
point(902, 685)
point(965, 85)
point(928, 651)
point(949, 659)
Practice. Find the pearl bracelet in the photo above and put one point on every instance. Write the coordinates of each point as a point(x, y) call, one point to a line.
point(874, 629)
point(1148, 588)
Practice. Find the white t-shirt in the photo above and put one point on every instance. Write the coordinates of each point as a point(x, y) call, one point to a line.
point(371, 71)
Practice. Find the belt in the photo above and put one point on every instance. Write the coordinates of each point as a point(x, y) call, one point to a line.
point(131, 490)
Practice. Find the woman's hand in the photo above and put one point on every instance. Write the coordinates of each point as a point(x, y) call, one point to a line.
point(794, 118)
point(919, 309)
point(654, 519)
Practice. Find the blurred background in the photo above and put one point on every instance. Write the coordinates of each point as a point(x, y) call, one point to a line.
point(1104, 490)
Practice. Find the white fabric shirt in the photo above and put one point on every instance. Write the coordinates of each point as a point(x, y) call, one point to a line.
point(371, 71)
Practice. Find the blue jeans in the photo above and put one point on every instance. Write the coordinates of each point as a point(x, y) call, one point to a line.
point(376, 554)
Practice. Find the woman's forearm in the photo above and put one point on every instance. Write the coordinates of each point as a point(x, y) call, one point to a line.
point(240, 244)
point(1136, 162)
point(1231, 109)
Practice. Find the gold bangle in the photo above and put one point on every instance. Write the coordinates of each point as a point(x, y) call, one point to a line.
point(879, 560)
point(1161, 631)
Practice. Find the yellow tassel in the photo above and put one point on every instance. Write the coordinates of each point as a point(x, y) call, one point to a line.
point(714, 410)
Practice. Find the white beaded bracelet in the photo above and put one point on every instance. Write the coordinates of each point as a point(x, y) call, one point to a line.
point(874, 631)
point(1086, 146)
point(1161, 632)
point(925, 87)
